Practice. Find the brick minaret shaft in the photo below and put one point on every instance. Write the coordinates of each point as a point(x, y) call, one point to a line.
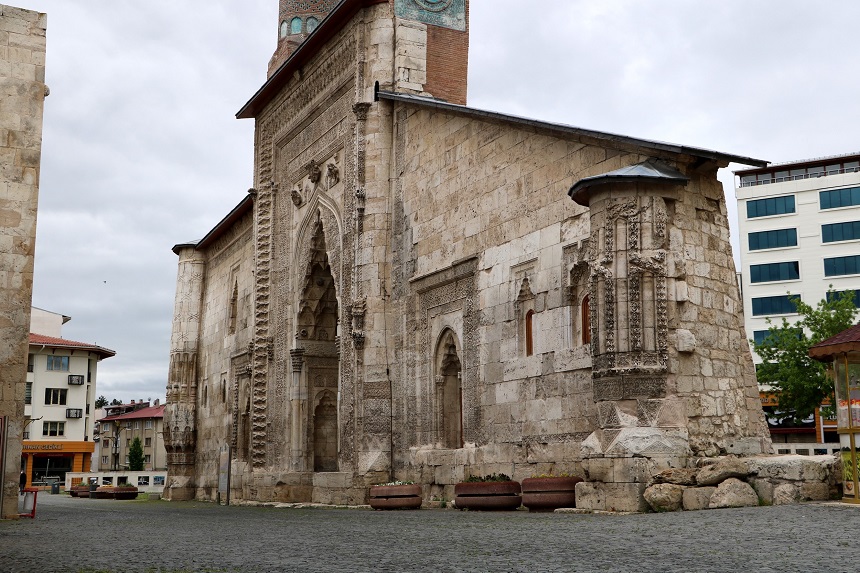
point(297, 19)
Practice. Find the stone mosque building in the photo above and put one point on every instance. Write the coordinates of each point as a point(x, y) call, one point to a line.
point(416, 289)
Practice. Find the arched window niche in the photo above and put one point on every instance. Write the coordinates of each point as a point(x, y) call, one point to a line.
point(449, 391)
point(296, 25)
point(284, 29)
point(312, 24)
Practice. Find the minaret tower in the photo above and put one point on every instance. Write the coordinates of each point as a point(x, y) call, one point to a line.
point(296, 20)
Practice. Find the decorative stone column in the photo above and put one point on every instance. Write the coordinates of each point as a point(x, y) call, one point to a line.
point(642, 349)
point(180, 413)
point(298, 398)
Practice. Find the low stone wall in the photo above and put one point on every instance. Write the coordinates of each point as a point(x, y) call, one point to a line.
point(743, 482)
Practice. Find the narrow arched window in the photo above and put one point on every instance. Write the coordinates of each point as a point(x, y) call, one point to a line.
point(530, 333)
point(284, 29)
point(312, 24)
point(296, 25)
point(585, 320)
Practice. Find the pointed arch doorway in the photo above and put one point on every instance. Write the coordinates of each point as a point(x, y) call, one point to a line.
point(449, 392)
point(315, 400)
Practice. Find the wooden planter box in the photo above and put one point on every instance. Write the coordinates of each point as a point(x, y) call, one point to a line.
point(549, 493)
point(80, 490)
point(103, 492)
point(488, 495)
point(125, 492)
point(395, 496)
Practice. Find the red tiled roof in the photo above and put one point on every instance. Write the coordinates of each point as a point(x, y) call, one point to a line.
point(846, 341)
point(151, 412)
point(42, 340)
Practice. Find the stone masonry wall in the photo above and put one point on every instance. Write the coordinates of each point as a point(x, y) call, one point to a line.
point(483, 189)
point(22, 95)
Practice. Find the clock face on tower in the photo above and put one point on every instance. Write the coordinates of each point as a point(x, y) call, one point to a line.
point(444, 13)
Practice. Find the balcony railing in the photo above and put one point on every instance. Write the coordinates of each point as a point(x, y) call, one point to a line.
point(74, 412)
point(814, 175)
point(76, 380)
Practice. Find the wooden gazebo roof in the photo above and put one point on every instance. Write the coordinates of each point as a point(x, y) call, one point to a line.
point(846, 341)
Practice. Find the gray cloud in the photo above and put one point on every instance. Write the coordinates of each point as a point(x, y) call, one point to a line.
point(141, 149)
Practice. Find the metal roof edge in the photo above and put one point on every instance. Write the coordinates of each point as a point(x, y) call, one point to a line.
point(601, 135)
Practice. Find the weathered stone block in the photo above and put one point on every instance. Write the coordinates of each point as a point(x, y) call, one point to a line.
point(696, 498)
point(678, 476)
point(722, 470)
point(786, 494)
point(733, 493)
point(591, 495)
point(814, 491)
point(763, 488)
point(664, 496)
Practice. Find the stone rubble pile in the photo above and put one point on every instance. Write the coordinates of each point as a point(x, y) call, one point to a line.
point(746, 482)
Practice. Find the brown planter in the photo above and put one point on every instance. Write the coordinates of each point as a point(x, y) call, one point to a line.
point(80, 490)
point(549, 493)
point(395, 496)
point(103, 492)
point(488, 495)
point(125, 492)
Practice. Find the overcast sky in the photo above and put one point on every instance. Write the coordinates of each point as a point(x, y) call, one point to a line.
point(141, 149)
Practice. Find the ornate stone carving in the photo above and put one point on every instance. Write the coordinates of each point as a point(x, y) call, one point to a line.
point(332, 175)
point(296, 196)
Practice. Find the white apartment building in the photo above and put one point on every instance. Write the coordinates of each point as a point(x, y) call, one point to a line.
point(58, 401)
point(799, 226)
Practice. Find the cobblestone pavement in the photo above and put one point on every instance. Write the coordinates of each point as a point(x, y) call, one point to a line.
point(84, 535)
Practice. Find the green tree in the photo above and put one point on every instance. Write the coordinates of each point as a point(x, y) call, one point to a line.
point(135, 455)
point(800, 382)
point(101, 402)
point(116, 402)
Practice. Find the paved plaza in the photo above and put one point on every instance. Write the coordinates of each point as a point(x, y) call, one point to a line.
point(83, 535)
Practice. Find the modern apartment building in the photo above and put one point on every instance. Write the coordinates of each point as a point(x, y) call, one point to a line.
point(118, 428)
point(799, 226)
point(58, 400)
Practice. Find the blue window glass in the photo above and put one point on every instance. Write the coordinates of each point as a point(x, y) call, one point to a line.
point(312, 24)
point(759, 336)
point(773, 239)
point(840, 231)
point(296, 25)
point(842, 266)
point(787, 271)
point(832, 294)
point(836, 198)
point(770, 206)
point(774, 305)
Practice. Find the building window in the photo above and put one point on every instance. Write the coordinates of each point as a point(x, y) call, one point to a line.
point(774, 305)
point(285, 28)
point(105, 443)
point(148, 424)
point(833, 294)
point(137, 424)
point(773, 239)
point(530, 333)
point(312, 24)
point(147, 459)
point(770, 206)
point(30, 362)
point(836, 198)
point(55, 396)
point(786, 271)
point(840, 232)
point(158, 480)
point(143, 480)
point(296, 25)
point(53, 428)
point(837, 266)
point(28, 393)
point(58, 363)
point(104, 460)
point(147, 442)
point(759, 336)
